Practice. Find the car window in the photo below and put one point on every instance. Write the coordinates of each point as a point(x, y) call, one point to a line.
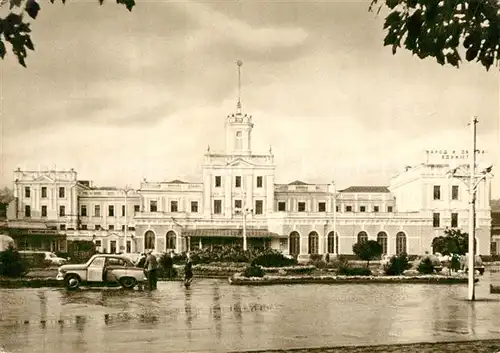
point(112, 261)
point(52, 255)
point(98, 262)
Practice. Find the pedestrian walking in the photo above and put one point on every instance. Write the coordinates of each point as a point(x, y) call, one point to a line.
point(188, 271)
point(141, 260)
point(151, 266)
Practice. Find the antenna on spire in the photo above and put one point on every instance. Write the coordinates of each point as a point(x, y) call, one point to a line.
point(238, 105)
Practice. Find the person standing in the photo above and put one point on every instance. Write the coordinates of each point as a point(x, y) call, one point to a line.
point(188, 271)
point(151, 266)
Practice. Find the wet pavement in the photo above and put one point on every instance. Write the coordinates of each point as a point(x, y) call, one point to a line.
point(214, 316)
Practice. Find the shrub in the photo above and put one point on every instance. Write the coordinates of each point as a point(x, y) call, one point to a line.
point(426, 266)
point(254, 271)
point(367, 250)
point(166, 263)
point(12, 264)
point(320, 264)
point(397, 265)
point(354, 271)
point(273, 259)
point(315, 257)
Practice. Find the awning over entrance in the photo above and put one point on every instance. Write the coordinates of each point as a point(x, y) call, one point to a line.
point(25, 228)
point(229, 233)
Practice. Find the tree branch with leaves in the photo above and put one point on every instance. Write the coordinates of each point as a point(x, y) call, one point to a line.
point(15, 26)
point(439, 29)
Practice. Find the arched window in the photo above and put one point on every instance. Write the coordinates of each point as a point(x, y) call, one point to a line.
point(382, 240)
point(331, 243)
point(313, 243)
point(294, 243)
point(171, 240)
point(149, 240)
point(362, 236)
point(401, 243)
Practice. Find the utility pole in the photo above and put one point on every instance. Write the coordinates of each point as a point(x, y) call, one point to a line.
point(472, 212)
point(126, 190)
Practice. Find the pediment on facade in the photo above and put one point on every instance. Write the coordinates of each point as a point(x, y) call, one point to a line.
point(239, 162)
point(44, 178)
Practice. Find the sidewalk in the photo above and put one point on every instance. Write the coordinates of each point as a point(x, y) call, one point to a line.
point(482, 346)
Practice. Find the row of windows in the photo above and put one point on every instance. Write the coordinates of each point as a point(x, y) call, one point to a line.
point(237, 181)
point(27, 192)
point(174, 206)
point(436, 220)
point(301, 207)
point(98, 227)
point(333, 242)
point(27, 211)
point(454, 192)
point(111, 210)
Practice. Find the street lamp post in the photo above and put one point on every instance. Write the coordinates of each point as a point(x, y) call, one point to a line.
point(335, 244)
point(473, 180)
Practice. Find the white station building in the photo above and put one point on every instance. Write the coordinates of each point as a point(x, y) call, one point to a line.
point(53, 207)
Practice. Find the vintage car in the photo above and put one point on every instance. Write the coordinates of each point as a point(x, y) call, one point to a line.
point(102, 268)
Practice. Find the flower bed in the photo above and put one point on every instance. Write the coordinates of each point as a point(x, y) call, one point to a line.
point(238, 279)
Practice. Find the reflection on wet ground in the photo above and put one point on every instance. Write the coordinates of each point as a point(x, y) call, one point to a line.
point(214, 316)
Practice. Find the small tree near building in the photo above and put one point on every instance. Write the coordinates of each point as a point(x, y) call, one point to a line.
point(453, 242)
point(367, 250)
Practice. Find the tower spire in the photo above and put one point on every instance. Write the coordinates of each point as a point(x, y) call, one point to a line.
point(238, 105)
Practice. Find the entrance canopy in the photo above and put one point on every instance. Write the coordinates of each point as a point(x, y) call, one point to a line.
point(228, 233)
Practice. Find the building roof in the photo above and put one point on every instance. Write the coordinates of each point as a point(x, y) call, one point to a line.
point(298, 182)
point(363, 189)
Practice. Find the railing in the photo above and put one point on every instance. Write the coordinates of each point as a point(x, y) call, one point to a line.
point(301, 188)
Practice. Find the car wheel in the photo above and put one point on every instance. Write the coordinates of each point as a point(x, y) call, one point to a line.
point(72, 282)
point(128, 282)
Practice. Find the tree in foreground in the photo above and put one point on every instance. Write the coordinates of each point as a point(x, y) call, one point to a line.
point(367, 250)
point(454, 241)
point(440, 29)
point(15, 26)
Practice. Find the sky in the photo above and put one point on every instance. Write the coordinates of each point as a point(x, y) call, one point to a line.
point(120, 96)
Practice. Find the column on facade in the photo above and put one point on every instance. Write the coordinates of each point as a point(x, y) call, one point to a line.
point(74, 208)
point(228, 203)
point(249, 191)
point(269, 185)
point(207, 192)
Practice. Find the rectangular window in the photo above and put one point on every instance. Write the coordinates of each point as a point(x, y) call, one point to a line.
point(282, 206)
point(62, 227)
point(137, 208)
point(217, 206)
point(237, 182)
point(98, 243)
point(97, 211)
point(174, 206)
point(237, 206)
point(259, 207)
point(362, 208)
point(27, 211)
point(337, 208)
point(389, 209)
point(302, 206)
point(454, 192)
point(97, 227)
point(62, 192)
point(348, 208)
point(454, 220)
point(153, 206)
point(83, 227)
point(27, 192)
point(437, 192)
point(375, 208)
point(111, 227)
point(44, 192)
point(123, 210)
point(129, 246)
point(259, 181)
point(322, 207)
point(435, 220)
point(194, 206)
point(83, 211)
point(218, 181)
point(44, 211)
point(111, 211)
point(62, 211)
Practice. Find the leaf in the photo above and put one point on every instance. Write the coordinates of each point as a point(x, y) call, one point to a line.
point(32, 8)
point(2, 50)
point(392, 19)
point(15, 3)
point(453, 59)
point(471, 53)
point(129, 4)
